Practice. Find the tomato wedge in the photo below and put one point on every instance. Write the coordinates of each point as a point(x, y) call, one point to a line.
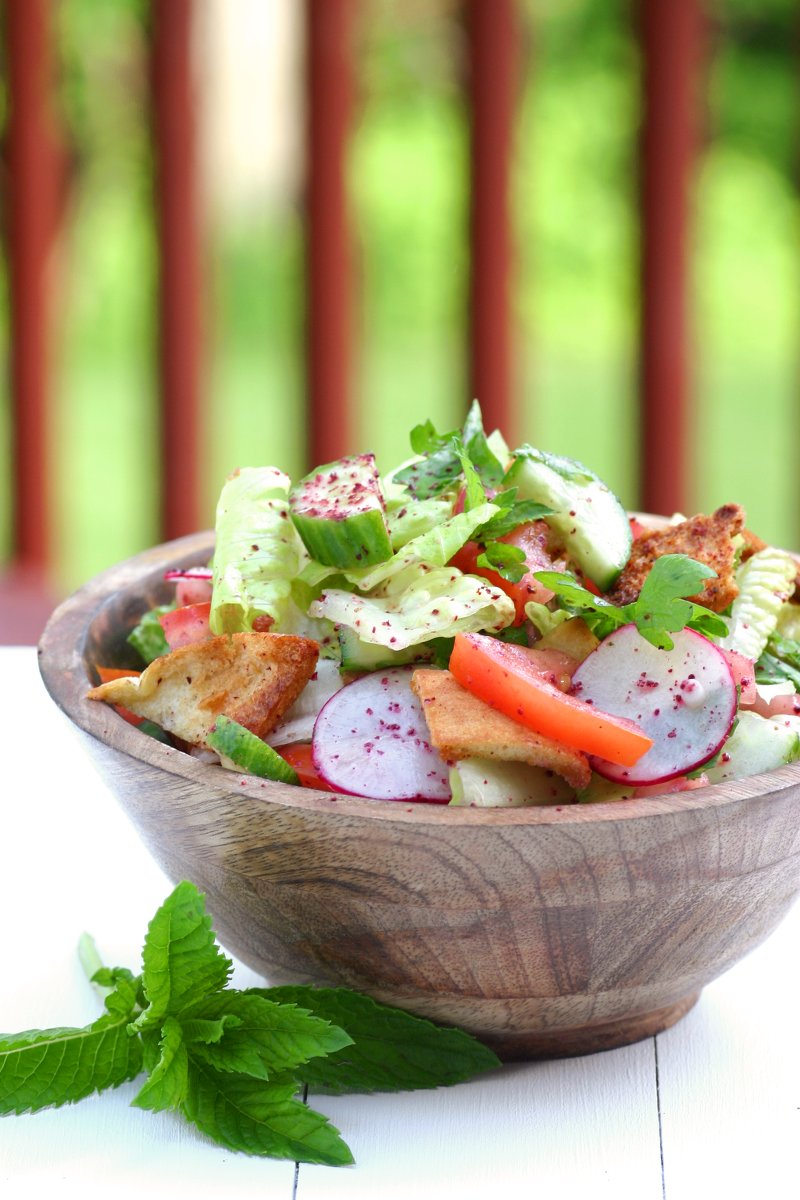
point(504, 676)
point(531, 539)
point(184, 626)
point(298, 755)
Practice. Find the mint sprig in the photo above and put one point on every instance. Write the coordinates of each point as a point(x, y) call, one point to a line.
point(231, 1061)
point(660, 609)
point(441, 465)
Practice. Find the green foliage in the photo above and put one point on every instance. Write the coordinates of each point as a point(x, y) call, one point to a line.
point(231, 1061)
point(660, 609)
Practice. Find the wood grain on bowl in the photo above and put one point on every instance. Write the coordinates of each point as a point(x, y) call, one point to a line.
point(544, 931)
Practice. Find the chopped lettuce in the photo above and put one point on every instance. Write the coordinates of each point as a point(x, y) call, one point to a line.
point(765, 582)
point(416, 604)
point(408, 519)
point(258, 552)
point(148, 637)
point(436, 547)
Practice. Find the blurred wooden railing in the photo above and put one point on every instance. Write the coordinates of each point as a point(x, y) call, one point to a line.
point(670, 37)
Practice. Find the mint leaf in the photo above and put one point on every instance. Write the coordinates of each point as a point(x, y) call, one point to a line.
point(771, 669)
point(509, 561)
point(442, 463)
point(485, 462)
point(181, 961)
point(475, 493)
point(168, 1081)
point(267, 1037)
point(392, 1050)
point(43, 1068)
point(260, 1118)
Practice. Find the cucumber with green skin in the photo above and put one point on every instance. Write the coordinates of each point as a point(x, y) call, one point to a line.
point(243, 749)
point(339, 512)
point(368, 656)
point(586, 514)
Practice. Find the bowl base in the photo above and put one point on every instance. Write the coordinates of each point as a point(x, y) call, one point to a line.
point(569, 1043)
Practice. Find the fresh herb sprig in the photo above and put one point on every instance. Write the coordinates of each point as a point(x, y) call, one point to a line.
point(465, 457)
point(231, 1061)
point(661, 607)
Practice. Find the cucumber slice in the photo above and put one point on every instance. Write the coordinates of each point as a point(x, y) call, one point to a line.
point(586, 513)
point(487, 783)
point(244, 750)
point(339, 512)
point(368, 656)
point(757, 744)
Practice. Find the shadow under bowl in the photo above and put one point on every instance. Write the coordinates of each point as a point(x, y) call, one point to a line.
point(543, 931)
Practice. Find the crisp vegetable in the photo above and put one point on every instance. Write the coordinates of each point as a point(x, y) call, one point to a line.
point(502, 676)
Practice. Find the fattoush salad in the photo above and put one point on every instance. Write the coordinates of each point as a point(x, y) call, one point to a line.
point(480, 626)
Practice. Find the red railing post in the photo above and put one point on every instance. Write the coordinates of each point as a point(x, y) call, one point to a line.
point(329, 268)
point(180, 274)
point(671, 40)
point(33, 186)
point(494, 33)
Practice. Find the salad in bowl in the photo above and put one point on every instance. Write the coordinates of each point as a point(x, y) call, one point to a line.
point(481, 626)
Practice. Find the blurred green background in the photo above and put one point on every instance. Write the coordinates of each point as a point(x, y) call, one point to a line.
point(576, 270)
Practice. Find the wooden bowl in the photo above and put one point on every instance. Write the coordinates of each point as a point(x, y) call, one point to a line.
point(544, 931)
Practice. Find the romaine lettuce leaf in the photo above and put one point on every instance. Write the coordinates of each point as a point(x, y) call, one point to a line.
point(148, 637)
point(257, 554)
point(416, 604)
point(408, 518)
point(765, 582)
point(435, 548)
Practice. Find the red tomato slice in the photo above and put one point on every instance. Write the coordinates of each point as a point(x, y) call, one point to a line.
point(532, 539)
point(186, 625)
point(504, 676)
point(298, 755)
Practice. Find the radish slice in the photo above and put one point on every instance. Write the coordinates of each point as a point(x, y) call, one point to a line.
point(190, 573)
point(684, 699)
point(370, 739)
point(298, 723)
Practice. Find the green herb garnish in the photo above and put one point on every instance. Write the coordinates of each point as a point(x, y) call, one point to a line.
point(660, 609)
point(232, 1061)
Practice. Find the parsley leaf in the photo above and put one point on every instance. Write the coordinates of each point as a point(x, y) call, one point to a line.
point(509, 561)
point(514, 513)
point(660, 609)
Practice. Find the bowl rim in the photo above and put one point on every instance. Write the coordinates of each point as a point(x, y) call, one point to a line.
point(61, 664)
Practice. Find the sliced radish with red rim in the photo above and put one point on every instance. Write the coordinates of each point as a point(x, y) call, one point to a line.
point(684, 699)
point(370, 739)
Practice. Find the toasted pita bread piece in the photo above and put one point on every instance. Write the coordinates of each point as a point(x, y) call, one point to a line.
point(708, 539)
point(462, 726)
point(253, 678)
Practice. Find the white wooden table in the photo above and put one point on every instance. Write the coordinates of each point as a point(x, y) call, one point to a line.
point(708, 1109)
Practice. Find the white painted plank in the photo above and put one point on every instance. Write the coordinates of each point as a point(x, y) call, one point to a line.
point(729, 1080)
point(69, 861)
point(578, 1127)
